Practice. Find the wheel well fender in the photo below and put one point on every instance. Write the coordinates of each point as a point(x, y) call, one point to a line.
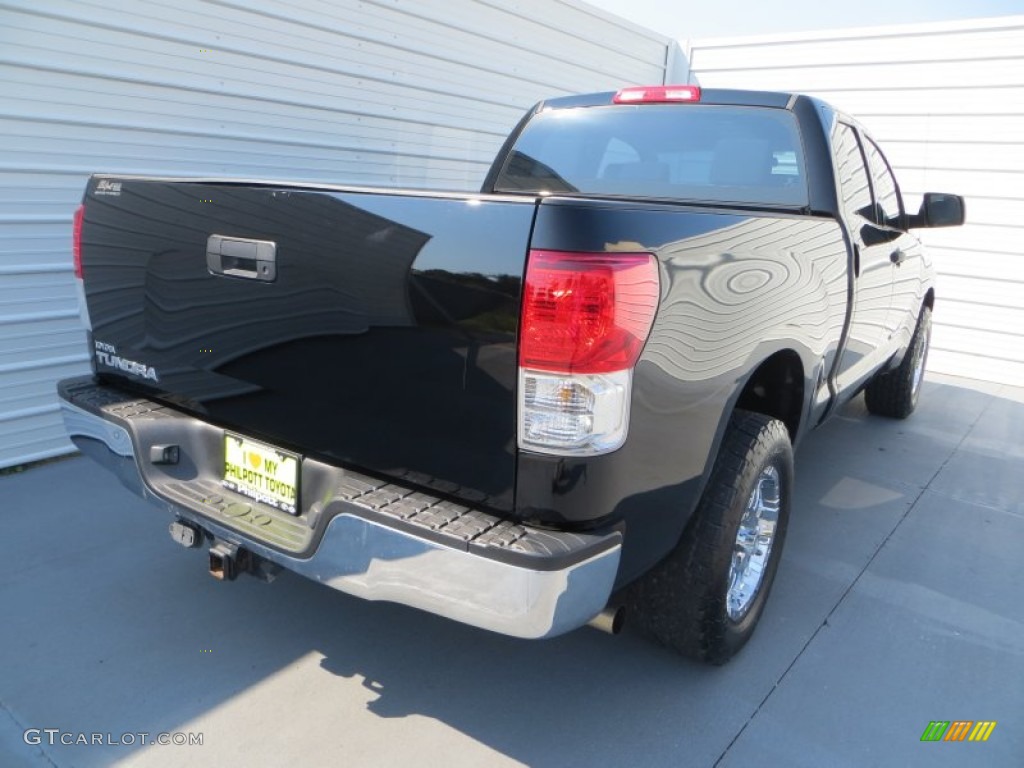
point(776, 388)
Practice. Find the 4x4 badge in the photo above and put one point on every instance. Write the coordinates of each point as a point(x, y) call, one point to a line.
point(108, 188)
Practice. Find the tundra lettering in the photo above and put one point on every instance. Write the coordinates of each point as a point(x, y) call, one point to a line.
point(105, 355)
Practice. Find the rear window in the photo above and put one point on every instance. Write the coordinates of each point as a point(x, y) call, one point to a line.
point(684, 152)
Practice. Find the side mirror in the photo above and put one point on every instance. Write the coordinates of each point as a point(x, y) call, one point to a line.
point(938, 210)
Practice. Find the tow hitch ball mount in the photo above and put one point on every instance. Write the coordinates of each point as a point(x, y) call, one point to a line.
point(226, 560)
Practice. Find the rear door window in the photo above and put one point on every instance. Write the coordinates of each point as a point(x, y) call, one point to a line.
point(887, 195)
point(851, 172)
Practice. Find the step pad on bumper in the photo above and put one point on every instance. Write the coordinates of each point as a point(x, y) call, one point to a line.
point(193, 485)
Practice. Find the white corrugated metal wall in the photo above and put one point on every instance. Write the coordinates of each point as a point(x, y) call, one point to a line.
point(415, 93)
point(946, 102)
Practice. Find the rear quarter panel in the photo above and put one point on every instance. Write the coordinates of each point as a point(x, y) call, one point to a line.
point(735, 288)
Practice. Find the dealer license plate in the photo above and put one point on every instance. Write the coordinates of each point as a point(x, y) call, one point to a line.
point(261, 472)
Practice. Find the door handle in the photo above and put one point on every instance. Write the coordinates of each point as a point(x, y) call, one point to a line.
point(239, 257)
point(897, 256)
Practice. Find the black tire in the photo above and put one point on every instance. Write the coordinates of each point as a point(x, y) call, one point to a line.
point(895, 393)
point(682, 602)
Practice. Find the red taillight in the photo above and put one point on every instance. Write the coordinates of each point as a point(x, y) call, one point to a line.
point(76, 240)
point(586, 312)
point(657, 94)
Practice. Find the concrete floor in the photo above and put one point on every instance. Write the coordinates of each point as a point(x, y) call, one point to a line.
point(898, 602)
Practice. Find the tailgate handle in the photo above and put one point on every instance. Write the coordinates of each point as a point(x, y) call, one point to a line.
point(237, 257)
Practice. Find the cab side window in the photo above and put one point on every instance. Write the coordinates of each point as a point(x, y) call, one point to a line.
point(887, 194)
point(850, 170)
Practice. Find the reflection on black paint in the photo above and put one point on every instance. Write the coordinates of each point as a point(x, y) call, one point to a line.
point(472, 301)
point(567, 476)
point(375, 347)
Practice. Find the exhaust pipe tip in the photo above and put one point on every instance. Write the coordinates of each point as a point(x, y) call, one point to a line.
point(610, 620)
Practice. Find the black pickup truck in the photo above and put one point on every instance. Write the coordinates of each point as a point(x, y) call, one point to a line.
point(527, 408)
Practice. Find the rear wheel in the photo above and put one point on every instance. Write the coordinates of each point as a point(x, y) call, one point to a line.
point(896, 392)
point(705, 599)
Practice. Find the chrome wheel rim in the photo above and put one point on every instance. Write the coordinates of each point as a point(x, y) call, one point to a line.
point(753, 546)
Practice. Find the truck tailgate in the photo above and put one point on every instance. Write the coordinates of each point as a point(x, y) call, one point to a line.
point(367, 329)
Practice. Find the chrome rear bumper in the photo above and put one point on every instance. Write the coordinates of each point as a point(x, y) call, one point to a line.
point(368, 539)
